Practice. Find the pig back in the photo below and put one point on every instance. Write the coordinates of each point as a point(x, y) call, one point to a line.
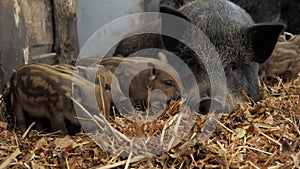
point(41, 91)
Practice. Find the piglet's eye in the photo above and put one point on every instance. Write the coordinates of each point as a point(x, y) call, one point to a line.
point(168, 83)
point(107, 87)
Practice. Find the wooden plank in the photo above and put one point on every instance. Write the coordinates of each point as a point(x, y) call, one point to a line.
point(13, 42)
point(66, 36)
point(39, 27)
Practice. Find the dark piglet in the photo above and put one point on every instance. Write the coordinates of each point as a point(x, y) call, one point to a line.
point(40, 91)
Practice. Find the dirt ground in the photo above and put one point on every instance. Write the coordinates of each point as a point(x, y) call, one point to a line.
point(257, 135)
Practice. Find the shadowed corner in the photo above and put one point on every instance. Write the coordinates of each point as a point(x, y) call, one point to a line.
point(210, 105)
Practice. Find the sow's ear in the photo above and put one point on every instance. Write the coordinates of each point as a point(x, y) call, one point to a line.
point(264, 38)
point(173, 23)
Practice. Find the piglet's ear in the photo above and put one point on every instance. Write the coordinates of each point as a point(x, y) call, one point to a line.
point(83, 72)
point(77, 92)
point(153, 71)
point(263, 38)
point(162, 57)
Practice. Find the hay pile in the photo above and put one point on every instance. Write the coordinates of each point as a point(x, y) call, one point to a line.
point(257, 135)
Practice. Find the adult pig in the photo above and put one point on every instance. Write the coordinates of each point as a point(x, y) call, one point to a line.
point(240, 43)
point(285, 11)
point(171, 3)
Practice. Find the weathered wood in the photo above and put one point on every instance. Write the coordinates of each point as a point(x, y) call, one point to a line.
point(39, 28)
point(66, 36)
point(37, 31)
point(13, 43)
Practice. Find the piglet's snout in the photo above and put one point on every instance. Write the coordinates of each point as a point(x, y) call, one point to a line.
point(158, 99)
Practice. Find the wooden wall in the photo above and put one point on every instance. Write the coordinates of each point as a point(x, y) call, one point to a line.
point(37, 31)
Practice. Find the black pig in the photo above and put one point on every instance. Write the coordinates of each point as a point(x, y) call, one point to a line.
point(172, 3)
point(240, 43)
point(286, 11)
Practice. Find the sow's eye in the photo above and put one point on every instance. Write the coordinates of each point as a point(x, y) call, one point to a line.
point(168, 83)
point(231, 68)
